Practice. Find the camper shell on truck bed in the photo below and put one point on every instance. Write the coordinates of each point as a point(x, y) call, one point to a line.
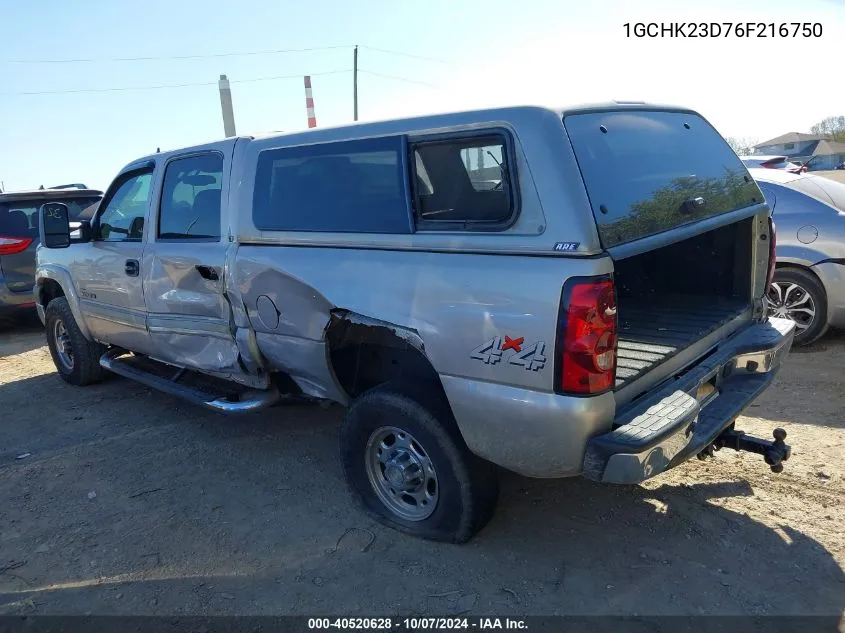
point(556, 291)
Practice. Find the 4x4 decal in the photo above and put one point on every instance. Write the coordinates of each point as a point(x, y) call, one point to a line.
point(489, 352)
point(530, 358)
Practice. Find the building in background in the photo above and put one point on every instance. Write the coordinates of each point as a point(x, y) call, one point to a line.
point(819, 150)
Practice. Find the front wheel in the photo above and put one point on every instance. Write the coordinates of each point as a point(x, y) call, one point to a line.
point(76, 358)
point(408, 466)
point(798, 295)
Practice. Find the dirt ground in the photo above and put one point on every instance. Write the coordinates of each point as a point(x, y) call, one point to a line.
point(115, 499)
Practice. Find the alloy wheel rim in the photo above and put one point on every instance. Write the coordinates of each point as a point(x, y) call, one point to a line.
point(401, 473)
point(789, 300)
point(64, 349)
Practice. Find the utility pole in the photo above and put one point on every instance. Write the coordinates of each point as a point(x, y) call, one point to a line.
point(226, 107)
point(355, 83)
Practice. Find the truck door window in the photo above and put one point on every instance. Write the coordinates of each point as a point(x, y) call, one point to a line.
point(464, 182)
point(191, 198)
point(123, 217)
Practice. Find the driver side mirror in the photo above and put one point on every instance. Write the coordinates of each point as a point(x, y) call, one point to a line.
point(57, 231)
point(53, 225)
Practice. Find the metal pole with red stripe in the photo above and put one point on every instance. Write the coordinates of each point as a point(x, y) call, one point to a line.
point(309, 103)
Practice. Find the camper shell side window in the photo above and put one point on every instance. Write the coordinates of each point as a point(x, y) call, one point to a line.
point(464, 181)
point(357, 186)
point(456, 181)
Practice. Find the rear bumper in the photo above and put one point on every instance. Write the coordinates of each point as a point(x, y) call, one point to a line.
point(670, 425)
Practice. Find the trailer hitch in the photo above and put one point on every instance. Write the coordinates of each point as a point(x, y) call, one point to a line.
point(774, 452)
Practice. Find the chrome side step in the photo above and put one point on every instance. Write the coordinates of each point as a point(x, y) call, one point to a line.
point(245, 401)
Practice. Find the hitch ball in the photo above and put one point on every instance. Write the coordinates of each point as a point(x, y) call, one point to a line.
point(778, 452)
point(773, 452)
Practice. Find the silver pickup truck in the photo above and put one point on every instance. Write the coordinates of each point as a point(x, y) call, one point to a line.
point(558, 292)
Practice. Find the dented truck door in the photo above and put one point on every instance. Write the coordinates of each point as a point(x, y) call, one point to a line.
point(189, 318)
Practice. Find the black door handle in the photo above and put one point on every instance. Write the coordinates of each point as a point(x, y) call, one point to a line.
point(208, 272)
point(132, 267)
point(691, 205)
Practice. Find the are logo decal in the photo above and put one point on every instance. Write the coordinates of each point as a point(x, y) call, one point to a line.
point(531, 357)
point(567, 246)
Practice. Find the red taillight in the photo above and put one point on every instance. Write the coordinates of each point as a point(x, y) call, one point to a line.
point(14, 245)
point(586, 358)
point(772, 253)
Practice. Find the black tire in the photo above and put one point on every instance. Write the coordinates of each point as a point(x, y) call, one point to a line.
point(467, 486)
point(810, 284)
point(84, 366)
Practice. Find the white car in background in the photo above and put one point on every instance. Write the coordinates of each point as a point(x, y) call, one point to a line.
point(773, 162)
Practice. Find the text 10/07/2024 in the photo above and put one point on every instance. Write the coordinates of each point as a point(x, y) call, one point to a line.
point(418, 624)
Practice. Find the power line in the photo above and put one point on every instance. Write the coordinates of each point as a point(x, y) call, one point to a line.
point(401, 54)
point(86, 60)
point(398, 78)
point(299, 76)
point(211, 83)
point(166, 86)
point(279, 51)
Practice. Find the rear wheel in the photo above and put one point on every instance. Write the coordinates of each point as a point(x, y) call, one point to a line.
point(408, 466)
point(798, 295)
point(76, 358)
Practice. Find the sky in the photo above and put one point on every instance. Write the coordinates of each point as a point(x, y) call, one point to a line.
point(445, 55)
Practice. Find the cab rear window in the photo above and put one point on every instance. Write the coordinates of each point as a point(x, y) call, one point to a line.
point(648, 172)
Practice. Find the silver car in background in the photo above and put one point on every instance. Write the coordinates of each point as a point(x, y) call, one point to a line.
point(809, 283)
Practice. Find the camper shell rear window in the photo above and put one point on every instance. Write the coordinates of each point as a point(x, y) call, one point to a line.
point(649, 171)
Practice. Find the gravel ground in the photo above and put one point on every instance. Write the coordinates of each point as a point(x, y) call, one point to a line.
point(115, 499)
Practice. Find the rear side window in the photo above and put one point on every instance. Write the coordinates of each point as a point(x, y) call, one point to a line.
point(648, 172)
point(20, 219)
point(352, 186)
point(464, 181)
point(190, 198)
